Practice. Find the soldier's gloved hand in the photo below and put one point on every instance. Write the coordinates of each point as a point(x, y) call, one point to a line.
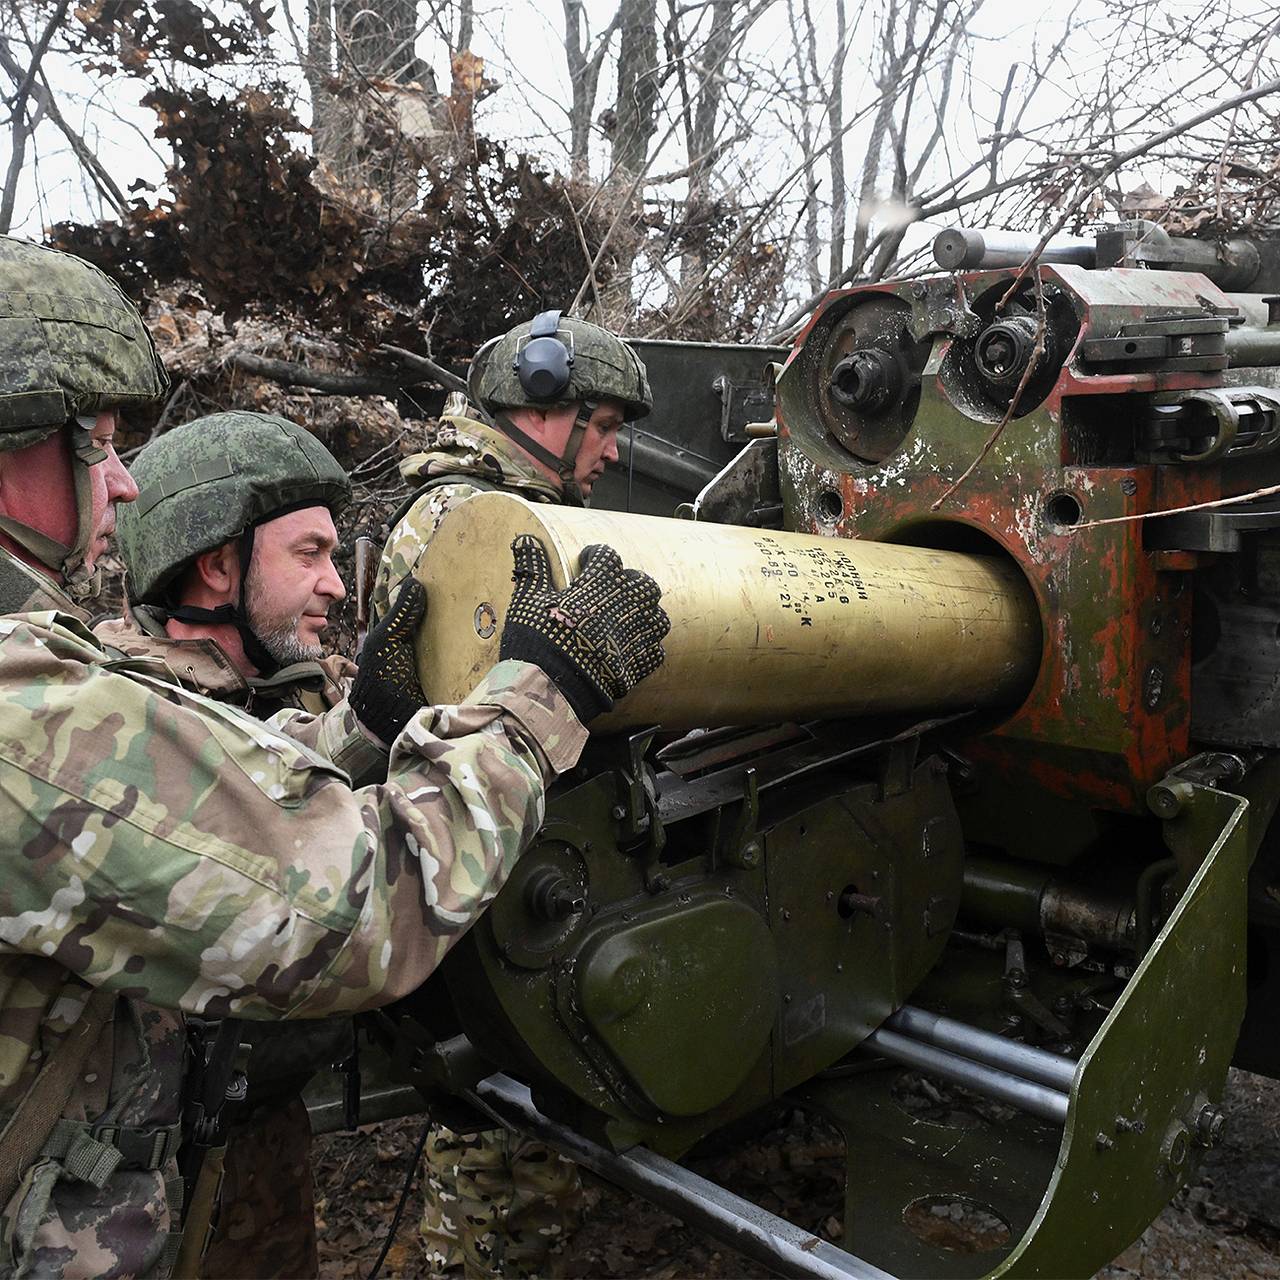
point(385, 695)
point(597, 638)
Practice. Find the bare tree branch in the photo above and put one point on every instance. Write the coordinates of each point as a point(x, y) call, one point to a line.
point(20, 128)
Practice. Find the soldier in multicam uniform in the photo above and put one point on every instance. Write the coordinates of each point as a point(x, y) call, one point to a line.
point(498, 1203)
point(168, 854)
point(229, 587)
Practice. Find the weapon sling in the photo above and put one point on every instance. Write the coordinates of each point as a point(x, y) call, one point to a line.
point(217, 1080)
point(42, 1105)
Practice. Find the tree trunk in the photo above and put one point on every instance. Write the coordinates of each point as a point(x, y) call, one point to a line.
point(635, 120)
point(357, 54)
point(635, 114)
point(835, 123)
point(702, 137)
point(584, 78)
point(808, 80)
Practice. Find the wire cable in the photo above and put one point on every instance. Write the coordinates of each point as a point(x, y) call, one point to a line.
point(404, 1199)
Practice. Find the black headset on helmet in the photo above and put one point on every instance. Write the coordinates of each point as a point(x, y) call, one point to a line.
point(544, 363)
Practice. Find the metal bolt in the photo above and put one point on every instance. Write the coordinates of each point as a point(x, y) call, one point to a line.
point(1103, 1142)
point(1177, 1147)
point(1128, 486)
point(1166, 798)
point(854, 903)
point(1210, 1125)
point(619, 811)
point(786, 915)
point(551, 896)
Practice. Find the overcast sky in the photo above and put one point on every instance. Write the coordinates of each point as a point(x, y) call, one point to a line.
point(523, 48)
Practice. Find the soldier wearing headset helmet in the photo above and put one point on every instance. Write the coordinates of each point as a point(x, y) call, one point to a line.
point(551, 395)
point(546, 402)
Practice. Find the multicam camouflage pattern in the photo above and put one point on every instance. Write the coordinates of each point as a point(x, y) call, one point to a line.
point(180, 853)
point(318, 688)
point(203, 665)
point(461, 447)
point(266, 1222)
point(494, 1200)
point(497, 1204)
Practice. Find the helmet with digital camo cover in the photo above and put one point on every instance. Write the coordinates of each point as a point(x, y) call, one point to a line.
point(213, 481)
point(555, 359)
point(71, 346)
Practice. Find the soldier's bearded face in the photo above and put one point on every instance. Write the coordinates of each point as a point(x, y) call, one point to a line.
point(292, 583)
point(37, 487)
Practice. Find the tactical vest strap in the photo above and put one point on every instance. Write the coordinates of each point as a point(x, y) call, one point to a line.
point(36, 1116)
point(200, 1216)
point(138, 1148)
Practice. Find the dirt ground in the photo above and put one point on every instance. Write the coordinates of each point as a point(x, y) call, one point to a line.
point(1225, 1227)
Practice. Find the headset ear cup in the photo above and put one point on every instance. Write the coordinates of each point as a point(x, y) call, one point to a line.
point(544, 367)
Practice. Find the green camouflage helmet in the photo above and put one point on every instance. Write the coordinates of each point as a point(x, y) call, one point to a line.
point(213, 480)
point(71, 346)
point(601, 364)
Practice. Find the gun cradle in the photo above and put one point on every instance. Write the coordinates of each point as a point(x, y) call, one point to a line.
point(694, 986)
point(1034, 879)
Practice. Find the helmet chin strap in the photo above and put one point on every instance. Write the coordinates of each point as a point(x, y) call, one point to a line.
point(66, 563)
point(564, 465)
point(236, 615)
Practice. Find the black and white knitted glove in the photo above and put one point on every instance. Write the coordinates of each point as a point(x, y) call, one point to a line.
point(597, 638)
point(385, 694)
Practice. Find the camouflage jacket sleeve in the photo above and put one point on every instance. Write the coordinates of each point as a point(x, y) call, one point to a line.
point(338, 736)
point(186, 855)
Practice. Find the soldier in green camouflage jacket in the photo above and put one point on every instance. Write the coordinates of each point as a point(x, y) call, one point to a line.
point(187, 560)
point(168, 854)
point(498, 1203)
